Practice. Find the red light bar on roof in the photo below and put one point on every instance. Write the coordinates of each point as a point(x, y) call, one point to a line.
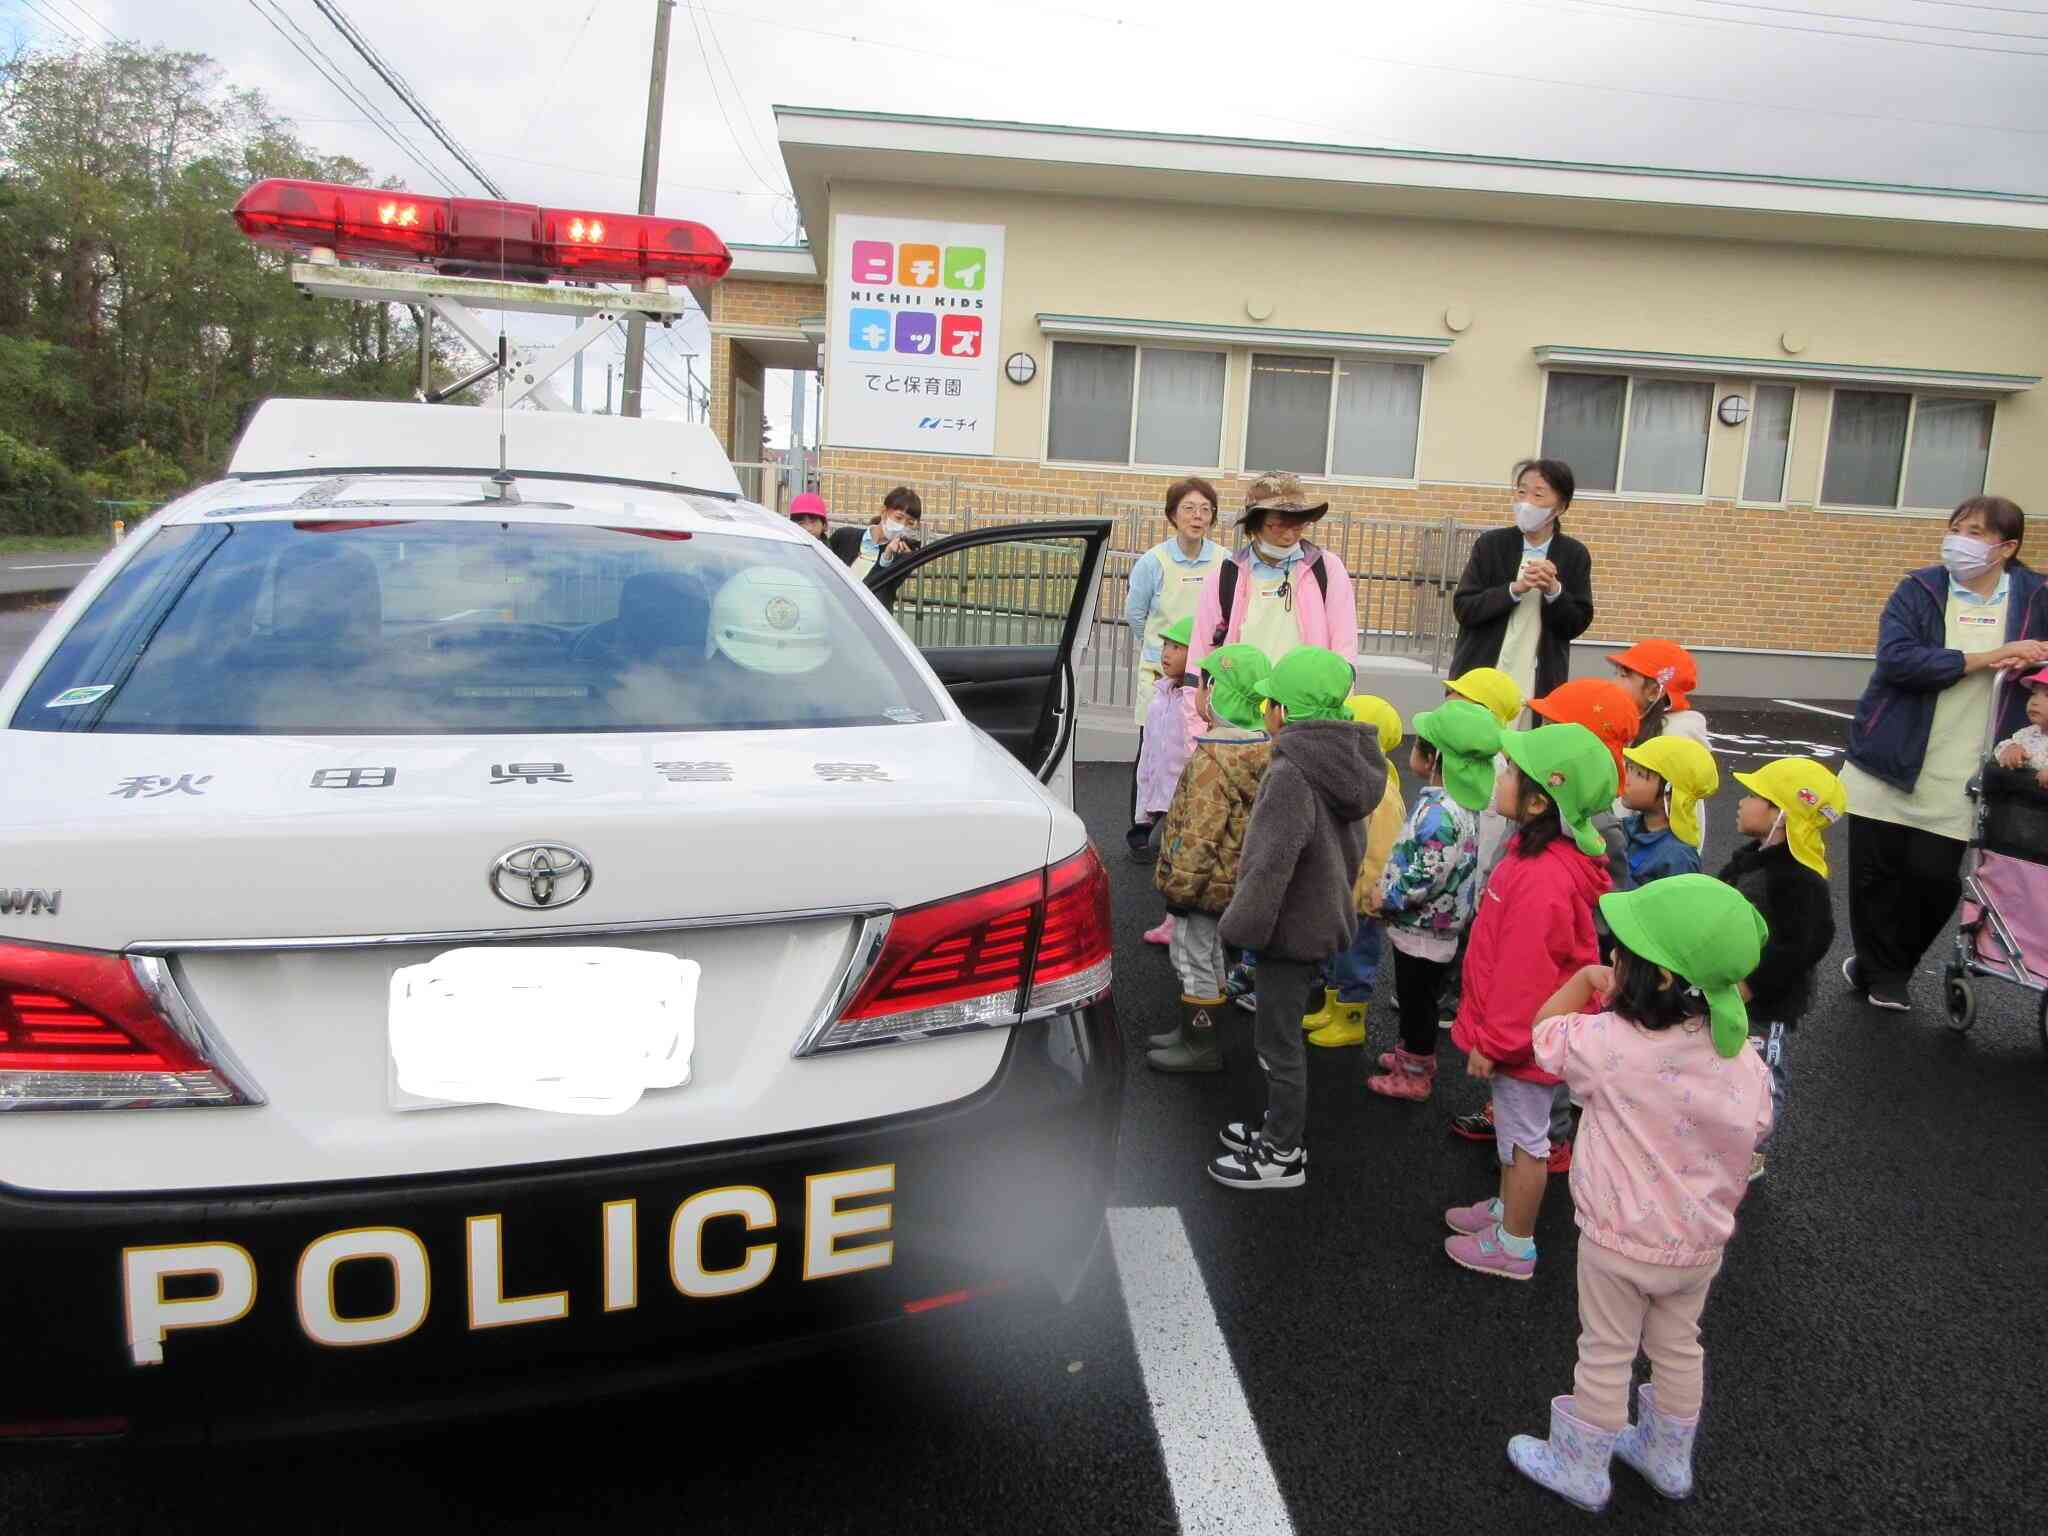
point(479, 237)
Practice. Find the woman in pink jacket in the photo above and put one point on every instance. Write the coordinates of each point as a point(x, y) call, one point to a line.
point(1281, 590)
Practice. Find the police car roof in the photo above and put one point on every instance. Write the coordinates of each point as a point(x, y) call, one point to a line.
point(296, 437)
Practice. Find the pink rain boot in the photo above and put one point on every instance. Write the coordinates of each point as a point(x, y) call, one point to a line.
point(1411, 1077)
point(1163, 934)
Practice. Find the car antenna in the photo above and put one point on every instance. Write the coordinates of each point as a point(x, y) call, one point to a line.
point(501, 487)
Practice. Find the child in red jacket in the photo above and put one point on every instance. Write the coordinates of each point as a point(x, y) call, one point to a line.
point(1533, 931)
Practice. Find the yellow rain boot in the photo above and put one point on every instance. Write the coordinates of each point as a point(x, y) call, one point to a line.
point(1324, 1016)
point(1346, 1026)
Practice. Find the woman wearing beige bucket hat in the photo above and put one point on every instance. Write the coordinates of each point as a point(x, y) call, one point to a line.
point(1280, 591)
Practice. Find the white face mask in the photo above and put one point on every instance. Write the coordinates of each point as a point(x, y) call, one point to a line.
point(892, 530)
point(1967, 558)
point(1274, 553)
point(1529, 517)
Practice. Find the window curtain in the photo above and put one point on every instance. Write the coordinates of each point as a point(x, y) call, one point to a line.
point(1770, 439)
point(1865, 447)
point(1091, 402)
point(1180, 408)
point(1582, 426)
point(1951, 447)
point(1667, 436)
point(1290, 414)
point(1379, 408)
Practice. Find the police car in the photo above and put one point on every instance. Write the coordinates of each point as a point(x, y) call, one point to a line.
point(490, 922)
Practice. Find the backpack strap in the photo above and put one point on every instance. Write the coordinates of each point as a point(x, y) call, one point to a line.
point(1226, 591)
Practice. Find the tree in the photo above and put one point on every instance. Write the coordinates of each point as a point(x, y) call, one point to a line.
point(132, 312)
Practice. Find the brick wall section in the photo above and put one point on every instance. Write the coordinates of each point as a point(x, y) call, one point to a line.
point(1712, 574)
point(737, 301)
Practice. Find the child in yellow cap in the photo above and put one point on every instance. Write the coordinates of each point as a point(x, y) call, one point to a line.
point(1783, 870)
point(1666, 778)
point(1355, 971)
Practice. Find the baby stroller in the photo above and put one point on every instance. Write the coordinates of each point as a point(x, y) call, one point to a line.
point(2003, 931)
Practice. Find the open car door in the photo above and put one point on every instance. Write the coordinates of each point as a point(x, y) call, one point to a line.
point(1001, 614)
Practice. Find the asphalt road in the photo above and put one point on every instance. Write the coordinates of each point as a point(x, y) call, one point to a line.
point(1875, 1343)
point(48, 572)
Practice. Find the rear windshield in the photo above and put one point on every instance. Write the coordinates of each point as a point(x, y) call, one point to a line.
point(436, 627)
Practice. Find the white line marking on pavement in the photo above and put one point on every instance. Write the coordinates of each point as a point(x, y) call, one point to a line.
point(72, 565)
point(1812, 708)
point(1222, 1482)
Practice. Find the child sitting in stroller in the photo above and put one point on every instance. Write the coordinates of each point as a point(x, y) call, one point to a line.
point(2028, 746)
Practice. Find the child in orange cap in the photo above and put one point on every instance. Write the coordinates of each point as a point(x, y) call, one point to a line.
point(1662, 675)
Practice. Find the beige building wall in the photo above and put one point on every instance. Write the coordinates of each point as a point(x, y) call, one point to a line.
point(1706, 570)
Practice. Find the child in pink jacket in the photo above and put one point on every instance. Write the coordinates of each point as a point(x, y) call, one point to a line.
point(1172, 722)
point(1676, 1101)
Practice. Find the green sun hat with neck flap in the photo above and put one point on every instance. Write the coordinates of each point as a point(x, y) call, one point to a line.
point(1311, 683)
point(1467, 738)
point(1575, 769)
point(1181, 631)
point(1701, 930)
point(1235, 672)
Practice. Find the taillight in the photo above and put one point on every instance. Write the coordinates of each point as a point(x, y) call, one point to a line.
point(961, 964)
point(82, 1030)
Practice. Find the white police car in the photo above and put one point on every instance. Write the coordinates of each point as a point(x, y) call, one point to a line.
point(479, 933)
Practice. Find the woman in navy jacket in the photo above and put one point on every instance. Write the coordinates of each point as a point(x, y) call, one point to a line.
point(1948, 636)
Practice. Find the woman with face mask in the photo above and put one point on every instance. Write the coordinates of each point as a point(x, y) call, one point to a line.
point(887, 539)
point(1281, 590)
point(1948, 637)
point(1527, 591)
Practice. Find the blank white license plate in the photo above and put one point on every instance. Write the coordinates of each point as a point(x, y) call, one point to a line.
point(575, 1030)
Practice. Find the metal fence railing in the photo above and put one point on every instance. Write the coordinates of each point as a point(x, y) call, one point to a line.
point(1403, 570)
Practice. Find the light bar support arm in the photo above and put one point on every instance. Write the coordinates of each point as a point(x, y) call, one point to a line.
point(467, 324)
point(531, 377)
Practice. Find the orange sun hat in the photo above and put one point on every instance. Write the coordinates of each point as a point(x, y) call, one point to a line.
point(1665, 661)
point(1602, 706)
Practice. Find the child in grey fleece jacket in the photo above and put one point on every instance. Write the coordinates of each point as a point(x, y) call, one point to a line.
point(1293, 901)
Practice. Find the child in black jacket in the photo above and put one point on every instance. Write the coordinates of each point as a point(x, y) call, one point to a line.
point(1783, 870)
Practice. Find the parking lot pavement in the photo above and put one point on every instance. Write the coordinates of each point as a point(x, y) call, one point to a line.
point(1874, 1342)
point(18, 628)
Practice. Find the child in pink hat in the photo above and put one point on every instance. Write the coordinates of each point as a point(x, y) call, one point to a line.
point(807, 511)
point(2028, 746)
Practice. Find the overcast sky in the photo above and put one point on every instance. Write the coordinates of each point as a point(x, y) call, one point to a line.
point(550, 95)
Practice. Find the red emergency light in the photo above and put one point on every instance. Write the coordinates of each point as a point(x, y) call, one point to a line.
point(478, 237)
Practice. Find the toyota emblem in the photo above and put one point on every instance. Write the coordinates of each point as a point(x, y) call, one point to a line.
point(541, 875)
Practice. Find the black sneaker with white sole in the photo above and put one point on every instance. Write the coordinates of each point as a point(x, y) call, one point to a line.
point(1891, 996)
point(1261, 1166)
point(1239, 1134)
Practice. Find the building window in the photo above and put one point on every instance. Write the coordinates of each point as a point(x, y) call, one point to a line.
point(1629, 434)
point(1325, 416)
point(1136, 405)
point(1770, 443)
point(1893, 450)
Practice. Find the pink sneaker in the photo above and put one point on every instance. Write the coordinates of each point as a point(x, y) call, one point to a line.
point(1471, 1220)
point(1482, 1251)
point(1163, 934)
point(1410, 1077)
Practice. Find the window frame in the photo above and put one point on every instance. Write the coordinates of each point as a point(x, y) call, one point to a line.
point(1791, 446)
point(1336, 360)
point(1914, 397)
point(1131, 461)
point(1628, 400)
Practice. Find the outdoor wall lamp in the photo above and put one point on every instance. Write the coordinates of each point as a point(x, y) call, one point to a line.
point(1020, 368)
point(1734, 410)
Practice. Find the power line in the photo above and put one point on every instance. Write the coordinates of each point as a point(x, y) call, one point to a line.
point(88, 15)
point(328, 71)
point(585, 170)
point(1873, 21)
point(1779, 26)
point(738, 95)
point(718, 100)
point(405, 93)
point(56, 25)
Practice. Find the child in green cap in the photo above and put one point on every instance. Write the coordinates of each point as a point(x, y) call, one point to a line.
point(1292, 902)
point(1534, 929)
point(1171, 725)
point(1662, 1163)
point(1199, 847)
point(1427, 894)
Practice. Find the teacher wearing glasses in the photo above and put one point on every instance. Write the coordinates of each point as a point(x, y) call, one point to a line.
point(1281, 590)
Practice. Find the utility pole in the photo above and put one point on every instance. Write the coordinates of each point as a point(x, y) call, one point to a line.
point(799, 387)
point(424, 319)
point(650, 174)
point(576, 394)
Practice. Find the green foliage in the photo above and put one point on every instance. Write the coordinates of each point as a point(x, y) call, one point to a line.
point(132, 312)
point(38, 494)
point(139, 473)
